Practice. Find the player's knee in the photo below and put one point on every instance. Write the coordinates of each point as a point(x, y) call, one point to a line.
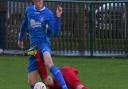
point(49, 65)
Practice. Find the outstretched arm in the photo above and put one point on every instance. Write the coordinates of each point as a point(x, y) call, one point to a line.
point(57, 21)
point(54, 23)
point(22, 31)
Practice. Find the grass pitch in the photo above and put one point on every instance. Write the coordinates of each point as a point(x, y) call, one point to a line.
point(96, 73)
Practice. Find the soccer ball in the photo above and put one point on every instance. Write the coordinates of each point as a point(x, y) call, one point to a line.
point(40, 85)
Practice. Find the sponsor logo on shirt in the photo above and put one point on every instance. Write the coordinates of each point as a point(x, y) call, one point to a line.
point(34, 23)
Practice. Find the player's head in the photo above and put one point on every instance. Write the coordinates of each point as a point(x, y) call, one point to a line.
point(38, 4)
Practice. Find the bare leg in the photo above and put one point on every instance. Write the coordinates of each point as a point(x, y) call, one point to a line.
point(32, 78)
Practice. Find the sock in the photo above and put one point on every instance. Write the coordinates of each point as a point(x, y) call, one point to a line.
point(32, 87)
point(58, 76)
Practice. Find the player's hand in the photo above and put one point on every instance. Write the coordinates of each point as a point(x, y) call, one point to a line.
point(59, 11)
point(20, 44)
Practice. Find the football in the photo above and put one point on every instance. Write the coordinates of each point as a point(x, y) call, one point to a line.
point(40, 85)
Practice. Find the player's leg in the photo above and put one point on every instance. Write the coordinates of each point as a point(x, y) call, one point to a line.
point(70, 76)
point(42, 70)
point(32, 78)
point(33, 72)
point(41, 66)
point(54, 70)
point(47, 79)
point(44, 49)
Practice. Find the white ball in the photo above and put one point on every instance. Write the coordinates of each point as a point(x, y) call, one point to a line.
point(40, 85)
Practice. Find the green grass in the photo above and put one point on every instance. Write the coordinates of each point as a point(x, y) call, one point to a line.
point(96, 73)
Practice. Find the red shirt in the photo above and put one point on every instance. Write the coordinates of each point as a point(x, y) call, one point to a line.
point(70, 77)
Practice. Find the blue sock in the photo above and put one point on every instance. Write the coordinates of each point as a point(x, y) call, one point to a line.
point(32, 87)
point(58, 76)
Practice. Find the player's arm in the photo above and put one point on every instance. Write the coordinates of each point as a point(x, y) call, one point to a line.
point(57, 21)
point(54, 23)
point(22, 31)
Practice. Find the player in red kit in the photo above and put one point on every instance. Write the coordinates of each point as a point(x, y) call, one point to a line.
point(71, 79)
point(69, 74)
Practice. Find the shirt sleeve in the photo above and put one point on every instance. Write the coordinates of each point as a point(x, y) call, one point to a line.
point(57, 27)
point(54, 24)
point(23, 27)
